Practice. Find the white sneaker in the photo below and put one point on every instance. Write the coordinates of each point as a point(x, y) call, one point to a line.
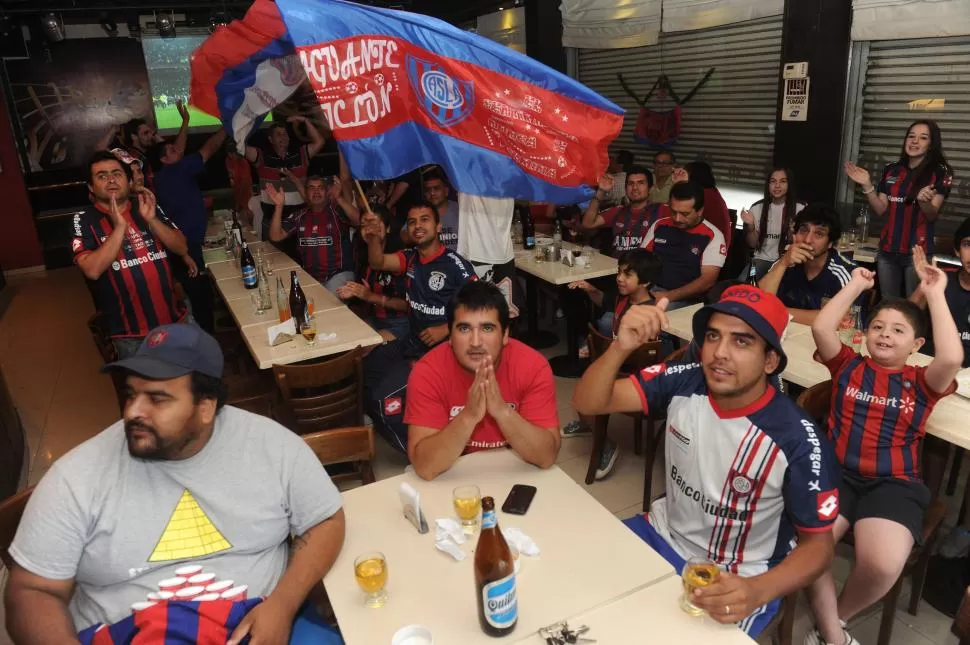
point(814, 637)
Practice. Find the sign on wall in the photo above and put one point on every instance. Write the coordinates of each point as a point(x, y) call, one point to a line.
point(795, 104)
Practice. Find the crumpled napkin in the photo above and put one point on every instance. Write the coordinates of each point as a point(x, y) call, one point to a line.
point(330, 336)
point(521, 541)
point(448, 537)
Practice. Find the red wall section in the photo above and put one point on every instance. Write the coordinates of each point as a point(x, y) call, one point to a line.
point(19, 245)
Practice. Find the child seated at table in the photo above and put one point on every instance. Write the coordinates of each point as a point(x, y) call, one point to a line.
point(877, 420)
point(637, 271)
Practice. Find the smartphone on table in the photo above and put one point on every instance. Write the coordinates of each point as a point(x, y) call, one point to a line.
point(519, 499)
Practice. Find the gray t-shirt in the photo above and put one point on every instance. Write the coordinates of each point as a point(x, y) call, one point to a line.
point(449, 227)
point(120, 525)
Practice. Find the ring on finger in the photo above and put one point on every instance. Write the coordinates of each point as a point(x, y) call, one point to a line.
point(727, 610)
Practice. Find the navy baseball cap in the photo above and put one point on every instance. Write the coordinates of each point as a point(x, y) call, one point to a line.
point(171, 351)
point(763, 311)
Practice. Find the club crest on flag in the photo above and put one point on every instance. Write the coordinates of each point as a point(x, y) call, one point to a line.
point(445, 99)
point(290, 69)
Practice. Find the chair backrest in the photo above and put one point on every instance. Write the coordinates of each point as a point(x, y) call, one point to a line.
point(644, 356)
point(323, 395)
point(11, 510)
point(342, 445)
point(817, 401)
point(677, 354)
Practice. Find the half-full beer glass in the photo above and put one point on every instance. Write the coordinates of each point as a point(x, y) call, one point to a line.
point(698, 572)
point(370, 571)
point(468, 507)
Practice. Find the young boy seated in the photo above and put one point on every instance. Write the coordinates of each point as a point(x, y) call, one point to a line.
point(877, 421)
point(637, 271)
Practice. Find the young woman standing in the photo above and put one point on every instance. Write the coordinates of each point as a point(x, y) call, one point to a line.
point(767, 224)
point(911, 192)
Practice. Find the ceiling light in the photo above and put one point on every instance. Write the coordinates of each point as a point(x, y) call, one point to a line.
point(53, 27)
point(166, 25)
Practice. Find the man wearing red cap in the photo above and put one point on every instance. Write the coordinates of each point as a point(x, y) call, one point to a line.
point(747, 471)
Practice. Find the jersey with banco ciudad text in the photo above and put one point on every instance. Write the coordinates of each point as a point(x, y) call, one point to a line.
point(740, 483)
point(432, 282)
point(907, 224)
point(136, 293)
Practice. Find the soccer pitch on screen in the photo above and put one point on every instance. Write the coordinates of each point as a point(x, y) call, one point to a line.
point(167, 117)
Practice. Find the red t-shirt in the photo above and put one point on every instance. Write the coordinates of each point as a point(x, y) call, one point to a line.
point(716, 212)
point(438, 390)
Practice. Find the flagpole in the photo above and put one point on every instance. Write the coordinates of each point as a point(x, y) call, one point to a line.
point(363, 197)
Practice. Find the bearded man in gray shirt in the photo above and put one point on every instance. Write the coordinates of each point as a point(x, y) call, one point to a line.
point(181, 487)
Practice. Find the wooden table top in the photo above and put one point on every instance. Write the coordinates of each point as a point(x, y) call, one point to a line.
point(558, 273)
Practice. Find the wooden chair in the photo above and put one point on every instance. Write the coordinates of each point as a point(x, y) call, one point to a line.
point(99, 333)
point(648, 354)
point(322, 395)
point(11, 510)
point(342, 445)
point(961, 623)
point(817, 401)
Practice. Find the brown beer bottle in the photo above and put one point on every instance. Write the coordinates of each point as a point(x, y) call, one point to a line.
point(498, 608)
point(297, 302)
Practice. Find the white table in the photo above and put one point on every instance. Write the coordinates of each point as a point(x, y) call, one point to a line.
point(948, 421)
point(559, 275)
point(588, 557)
point(651, 615)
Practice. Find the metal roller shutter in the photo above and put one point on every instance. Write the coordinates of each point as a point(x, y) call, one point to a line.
point(900, 72)
point(730, 122)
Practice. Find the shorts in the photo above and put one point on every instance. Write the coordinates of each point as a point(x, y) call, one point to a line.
point(898, 500)
point(753, 625)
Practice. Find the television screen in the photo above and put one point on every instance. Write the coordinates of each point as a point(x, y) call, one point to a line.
point(167, 60)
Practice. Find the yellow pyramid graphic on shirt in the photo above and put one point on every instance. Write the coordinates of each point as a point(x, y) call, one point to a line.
point(188, 534)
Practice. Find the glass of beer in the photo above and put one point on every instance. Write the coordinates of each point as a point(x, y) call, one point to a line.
point(468, 507)
point(309, 330)
point(698, 572)
point(370, 571)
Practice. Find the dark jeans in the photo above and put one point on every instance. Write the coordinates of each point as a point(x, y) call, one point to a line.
point(386, 372)
point(897, 277)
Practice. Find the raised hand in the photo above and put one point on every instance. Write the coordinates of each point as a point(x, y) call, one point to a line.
point(933, 282)
point(117, 219)
point(606, 183)
point(147, 205)
point(679, 175)
point(920, 262)
point(642, 324)
point(864, 277)
point(857, 174)
point(581, 284)
point(475, 406)
point(296, 118)
point(747, 217)
point(277, 196)
point(182, 110)
point(335, 190)
point(494, 403)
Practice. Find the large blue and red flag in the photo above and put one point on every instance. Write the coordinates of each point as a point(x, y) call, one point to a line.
point(401, 90)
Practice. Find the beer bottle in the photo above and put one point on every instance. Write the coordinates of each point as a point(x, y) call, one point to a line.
point(236, 234)
point(297, 302)
point(282, 301)
point(248, 267)
point(498, 608)
point(528, 229)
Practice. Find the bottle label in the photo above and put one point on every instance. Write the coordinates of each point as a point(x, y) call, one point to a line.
point(500, 602)
point(488, 520)
point(530, 240)
point(249, 275)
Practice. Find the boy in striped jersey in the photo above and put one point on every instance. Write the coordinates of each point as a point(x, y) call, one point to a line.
point(877, 421)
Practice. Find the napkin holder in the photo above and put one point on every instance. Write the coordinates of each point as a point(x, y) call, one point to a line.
point(281, 333)
point(411, 505)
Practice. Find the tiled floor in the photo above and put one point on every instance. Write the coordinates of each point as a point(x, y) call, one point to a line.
point(51, 365)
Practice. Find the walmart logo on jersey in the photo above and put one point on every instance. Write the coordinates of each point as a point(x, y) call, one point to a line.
point(905, 405)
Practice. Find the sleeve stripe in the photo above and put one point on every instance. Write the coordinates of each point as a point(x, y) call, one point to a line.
point(639, 388)
point(815, 529)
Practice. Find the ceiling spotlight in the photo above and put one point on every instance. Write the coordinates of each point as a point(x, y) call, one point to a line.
point(166, 25)
point(109, 25)
point(53, 27)
point(219, 19)
point(7, 27)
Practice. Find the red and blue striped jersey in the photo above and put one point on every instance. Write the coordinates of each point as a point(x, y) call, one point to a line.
point(137, 292)
point(385, 283)
point(684, 251)
point(323, 239)
point(741, 482)
point(908, 226)
point(630, 226)
point(878, 416)
point(210, 622)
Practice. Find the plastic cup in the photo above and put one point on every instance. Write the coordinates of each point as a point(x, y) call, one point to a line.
point(202, 579)
point(219, 587)
point(188, 571)
point(172, 584)
point(189, 593)
point(160, 595)
point(236, 593)
point(206, 597)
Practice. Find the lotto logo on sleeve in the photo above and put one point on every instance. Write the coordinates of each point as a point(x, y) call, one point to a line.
point(392, 405)
point(828, 504)
point(76, 244)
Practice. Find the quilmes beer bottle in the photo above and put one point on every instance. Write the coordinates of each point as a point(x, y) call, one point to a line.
point(528, 228)
point(297, 302)
point(248, 267)
point(498, 608)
